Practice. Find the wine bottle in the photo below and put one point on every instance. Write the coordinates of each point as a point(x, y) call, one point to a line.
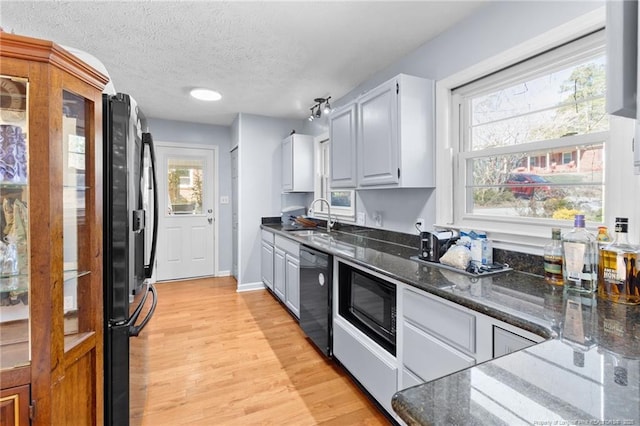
point(580, 268)
point(553, 259)
point(618, 267)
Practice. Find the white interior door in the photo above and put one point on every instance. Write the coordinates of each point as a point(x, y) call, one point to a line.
point(186, 225)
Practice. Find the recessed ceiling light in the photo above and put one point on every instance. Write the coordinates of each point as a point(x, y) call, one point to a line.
point(206, 94)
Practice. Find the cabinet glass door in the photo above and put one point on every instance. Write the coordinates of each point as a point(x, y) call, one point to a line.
point(14, 224)
point(75, 226)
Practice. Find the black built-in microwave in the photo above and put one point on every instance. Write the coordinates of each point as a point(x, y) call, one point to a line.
point(368, 303)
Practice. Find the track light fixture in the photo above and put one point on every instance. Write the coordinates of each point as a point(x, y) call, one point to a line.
point(327, 107)
point(317, 110)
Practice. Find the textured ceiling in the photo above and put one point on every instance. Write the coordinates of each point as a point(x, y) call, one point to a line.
point(267, 58)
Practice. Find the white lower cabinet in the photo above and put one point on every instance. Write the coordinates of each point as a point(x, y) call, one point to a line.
point(266, 259)
point(286, 273)
point(439, 337)
point(371, 365)
point(448, 322)
point(292, 284)
point(279, 273)
point(428, 357)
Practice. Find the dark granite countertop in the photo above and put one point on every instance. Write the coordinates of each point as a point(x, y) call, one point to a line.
point(586, 372)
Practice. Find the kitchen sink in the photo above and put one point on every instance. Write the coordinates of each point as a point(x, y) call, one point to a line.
point(307, 232)
point(325, 240)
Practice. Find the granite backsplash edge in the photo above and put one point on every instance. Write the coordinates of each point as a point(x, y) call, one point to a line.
point(523, 262)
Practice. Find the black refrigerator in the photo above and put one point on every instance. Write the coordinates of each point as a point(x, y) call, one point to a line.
point(130, 235)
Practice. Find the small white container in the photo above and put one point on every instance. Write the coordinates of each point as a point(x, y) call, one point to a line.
point(481, 251)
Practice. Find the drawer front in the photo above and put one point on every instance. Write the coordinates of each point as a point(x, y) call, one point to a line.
point(288, 245)
point(505, 342)
point(448, 323)
point(268, 237)
point(374, 373)
point(430, 358)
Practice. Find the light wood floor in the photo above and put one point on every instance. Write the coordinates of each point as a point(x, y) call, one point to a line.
point(221, 357)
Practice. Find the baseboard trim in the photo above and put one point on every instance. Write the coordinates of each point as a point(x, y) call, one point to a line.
point(251, 286)
point(223, 273)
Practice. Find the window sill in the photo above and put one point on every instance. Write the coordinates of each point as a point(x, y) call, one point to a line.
point(513, 235)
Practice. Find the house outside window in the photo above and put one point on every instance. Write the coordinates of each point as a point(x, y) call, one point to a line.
point(567, 158)
point(532, 138)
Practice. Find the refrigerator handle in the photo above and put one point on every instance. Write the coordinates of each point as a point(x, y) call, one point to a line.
point(136, 313)
point(148, 269)
point(134, 330)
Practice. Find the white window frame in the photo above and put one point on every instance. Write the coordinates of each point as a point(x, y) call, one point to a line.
point(321, 181)
point(525, 236)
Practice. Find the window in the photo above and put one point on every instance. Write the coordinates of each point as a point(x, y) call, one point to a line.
point(342, 200)
point(532, 138)
point(184, 185)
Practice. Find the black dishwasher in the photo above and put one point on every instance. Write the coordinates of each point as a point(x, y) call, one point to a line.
point(316, 280)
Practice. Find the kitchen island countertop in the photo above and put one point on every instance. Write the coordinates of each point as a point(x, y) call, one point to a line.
point(586, 372)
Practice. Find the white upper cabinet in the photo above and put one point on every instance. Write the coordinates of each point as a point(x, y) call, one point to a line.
point(622, 58)
point(342, 133)
point(395, 134)
point(297, 163)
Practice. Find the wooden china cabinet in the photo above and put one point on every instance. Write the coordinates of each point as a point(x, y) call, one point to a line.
point(51, 325)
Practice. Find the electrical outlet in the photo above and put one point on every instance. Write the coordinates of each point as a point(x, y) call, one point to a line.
point(224, 199)
point(420, 225)
point(360, 219)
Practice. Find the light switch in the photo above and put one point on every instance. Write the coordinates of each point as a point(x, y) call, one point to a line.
point(224, 199)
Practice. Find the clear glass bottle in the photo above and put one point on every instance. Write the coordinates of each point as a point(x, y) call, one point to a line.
point(553, 259)
point(579, 265)
point(618, 271)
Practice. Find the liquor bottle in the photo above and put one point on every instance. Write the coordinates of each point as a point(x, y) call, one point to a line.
point(553, 259)
point(579, 264)
point(618, 271)
point(603, 237)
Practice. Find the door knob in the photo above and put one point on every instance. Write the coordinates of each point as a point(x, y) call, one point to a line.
point(210, 219)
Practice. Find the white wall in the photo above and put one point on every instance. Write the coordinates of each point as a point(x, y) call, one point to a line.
point(499, 26)
point(260, 186)
point(220, 137)
point(493, 29)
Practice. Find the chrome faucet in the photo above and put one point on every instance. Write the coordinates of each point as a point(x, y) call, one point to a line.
point(330, 222)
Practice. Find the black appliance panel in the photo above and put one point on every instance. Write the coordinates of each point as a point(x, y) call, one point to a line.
point(369, 303)
point(116, 208)
point(130, 300)
point(316, 277)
